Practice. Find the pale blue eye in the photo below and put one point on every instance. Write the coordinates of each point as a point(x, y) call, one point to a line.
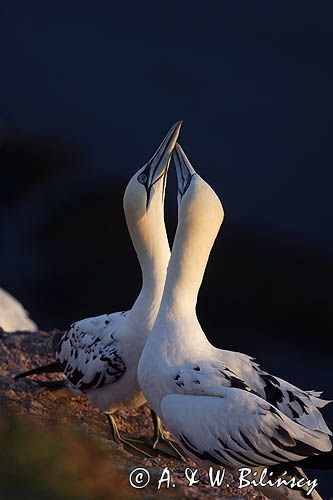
point(142, 178)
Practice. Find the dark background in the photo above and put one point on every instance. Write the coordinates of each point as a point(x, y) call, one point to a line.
point(87, 92)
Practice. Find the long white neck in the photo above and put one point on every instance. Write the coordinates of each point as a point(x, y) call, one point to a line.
point(200, 218)
point(151, 244)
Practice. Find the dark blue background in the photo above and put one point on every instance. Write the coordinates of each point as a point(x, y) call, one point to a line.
point(251, 80)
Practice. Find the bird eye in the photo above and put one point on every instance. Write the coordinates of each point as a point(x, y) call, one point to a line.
point(142, 178)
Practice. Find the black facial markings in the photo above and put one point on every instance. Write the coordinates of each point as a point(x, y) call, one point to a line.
point(148, 171)
point(180, 171)
point(158, 178)
point(190, 176)
point(164, 185)
point(142, 178)
point(188, 183)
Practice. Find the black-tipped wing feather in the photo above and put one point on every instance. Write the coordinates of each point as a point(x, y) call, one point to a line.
point(238, 428)
point(238, 371)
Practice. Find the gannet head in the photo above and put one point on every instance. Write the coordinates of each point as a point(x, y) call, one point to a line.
point(146, 189)
point(144, 208)
point(196, 199)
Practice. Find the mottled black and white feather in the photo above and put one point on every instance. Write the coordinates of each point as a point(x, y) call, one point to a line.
point(90, 352)
point(239, 371)
point(238, 428)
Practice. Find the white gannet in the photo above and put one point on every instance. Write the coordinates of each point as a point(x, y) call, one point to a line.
point(100, 355)
point(220, 405)
point(13, 316)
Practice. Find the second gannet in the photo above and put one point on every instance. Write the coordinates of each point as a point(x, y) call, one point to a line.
point(222, 408)
point(99, 355)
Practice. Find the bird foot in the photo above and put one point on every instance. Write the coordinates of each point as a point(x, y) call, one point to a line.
point(137, 446)
point(168, 448)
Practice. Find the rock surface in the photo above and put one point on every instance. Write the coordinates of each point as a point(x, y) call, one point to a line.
point(67, 443)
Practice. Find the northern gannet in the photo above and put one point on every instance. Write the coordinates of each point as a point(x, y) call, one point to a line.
point(100, 355)
point(13, 316)
point(222, 408)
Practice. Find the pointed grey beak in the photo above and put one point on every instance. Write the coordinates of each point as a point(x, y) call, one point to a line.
point(158, 166)
point(184, 170)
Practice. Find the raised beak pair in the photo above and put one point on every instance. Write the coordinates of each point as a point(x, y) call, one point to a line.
point(157, 167)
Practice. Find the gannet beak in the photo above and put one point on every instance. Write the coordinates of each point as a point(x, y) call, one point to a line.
point(158, 165)
point(184, 170)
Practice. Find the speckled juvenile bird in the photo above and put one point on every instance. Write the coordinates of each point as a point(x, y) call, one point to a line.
point(100, 355)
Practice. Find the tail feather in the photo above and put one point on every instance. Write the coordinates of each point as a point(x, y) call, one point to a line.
point(315, 397)
point(314, 420)
point(54, 367)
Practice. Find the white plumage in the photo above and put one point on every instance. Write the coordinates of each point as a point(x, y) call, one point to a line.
point(220, 405)
point(99, 355)
point(13, 316)
point(237, 429)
